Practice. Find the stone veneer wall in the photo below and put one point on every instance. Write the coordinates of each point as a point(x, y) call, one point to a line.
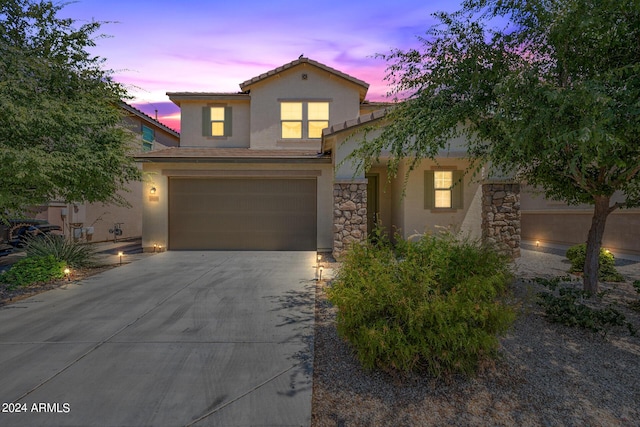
point(349, 214)
point(501, 217)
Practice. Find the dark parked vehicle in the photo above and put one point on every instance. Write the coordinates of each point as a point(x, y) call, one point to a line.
point(12, 235)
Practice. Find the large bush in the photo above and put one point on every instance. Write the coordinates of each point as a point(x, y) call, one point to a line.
point(434, 305)
point(578, 253)
point(74, 254)
point(34, 270)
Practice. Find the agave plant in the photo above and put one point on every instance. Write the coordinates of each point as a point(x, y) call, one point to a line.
point(74, 254)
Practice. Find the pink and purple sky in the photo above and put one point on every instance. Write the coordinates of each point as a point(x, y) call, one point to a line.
point(163, 46)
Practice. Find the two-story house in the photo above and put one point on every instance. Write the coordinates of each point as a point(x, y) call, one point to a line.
point(262, 169)
point(98, 222)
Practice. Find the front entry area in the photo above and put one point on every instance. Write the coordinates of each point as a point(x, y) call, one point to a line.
point(274, 214)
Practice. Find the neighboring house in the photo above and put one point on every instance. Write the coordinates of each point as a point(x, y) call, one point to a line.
point(261, 169)
point(556, 223)
point(93, 221)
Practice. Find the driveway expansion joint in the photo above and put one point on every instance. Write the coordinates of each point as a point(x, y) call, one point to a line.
point(235, 399)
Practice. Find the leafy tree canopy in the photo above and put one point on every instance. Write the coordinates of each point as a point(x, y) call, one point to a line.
point(60, 124)
point(553, 96)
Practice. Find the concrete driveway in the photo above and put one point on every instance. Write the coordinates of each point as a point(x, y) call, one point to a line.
point(178, 338)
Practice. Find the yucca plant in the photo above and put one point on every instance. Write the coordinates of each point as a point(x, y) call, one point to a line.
point(74, 254)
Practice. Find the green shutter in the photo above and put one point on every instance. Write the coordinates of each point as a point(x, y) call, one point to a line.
point(429, 191)
point(457, 191)
point(206, 121)
point(227, 121)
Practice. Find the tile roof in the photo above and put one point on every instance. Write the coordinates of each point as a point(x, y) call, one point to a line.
point(365, 118)
point(177, 97)
point(299, 61)
point(149, 119)
point(206, 93)
point(213, 154)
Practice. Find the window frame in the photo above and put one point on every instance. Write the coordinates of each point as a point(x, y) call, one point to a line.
point(305, 121)
point(215, 120)
point(208, 121)
point(316, 120)
point(147, 145)
point(290, 120)
point(442, 190)
point(456, 189)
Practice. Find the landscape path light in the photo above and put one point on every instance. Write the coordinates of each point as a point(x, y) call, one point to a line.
point(120, 254)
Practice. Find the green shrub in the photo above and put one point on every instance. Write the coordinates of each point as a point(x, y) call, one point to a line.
point(432, 305)
point(567, 305)
point(34, 270)
point(74, 254)
point(607, 271)
point(635, 305)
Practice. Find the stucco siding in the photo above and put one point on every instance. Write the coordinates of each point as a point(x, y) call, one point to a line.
point(413, 218)
point(156, 208)
point(191, 125)
point(622, 232)
point(343, 98)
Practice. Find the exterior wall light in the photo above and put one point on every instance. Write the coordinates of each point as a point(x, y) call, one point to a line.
point(152, 190)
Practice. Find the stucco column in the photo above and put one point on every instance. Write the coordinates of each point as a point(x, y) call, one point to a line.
point(349, 214)
point(501, 216)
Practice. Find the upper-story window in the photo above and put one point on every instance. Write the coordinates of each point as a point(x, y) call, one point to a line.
point(148, 136)
point(291, 117)
point(303, 119)
point(216, 121)
point(318, 113)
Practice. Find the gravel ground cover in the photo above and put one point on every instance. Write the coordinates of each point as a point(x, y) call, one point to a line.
point(547, 375)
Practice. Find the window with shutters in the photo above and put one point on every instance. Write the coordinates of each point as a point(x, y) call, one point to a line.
point(216, 121)
point(443, 189)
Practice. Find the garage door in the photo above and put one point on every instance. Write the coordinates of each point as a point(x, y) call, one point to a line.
point(242, 214)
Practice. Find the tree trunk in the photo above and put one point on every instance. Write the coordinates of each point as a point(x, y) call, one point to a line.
point(594, 243)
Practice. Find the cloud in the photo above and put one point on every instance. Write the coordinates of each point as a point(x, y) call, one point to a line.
point(166, 46)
